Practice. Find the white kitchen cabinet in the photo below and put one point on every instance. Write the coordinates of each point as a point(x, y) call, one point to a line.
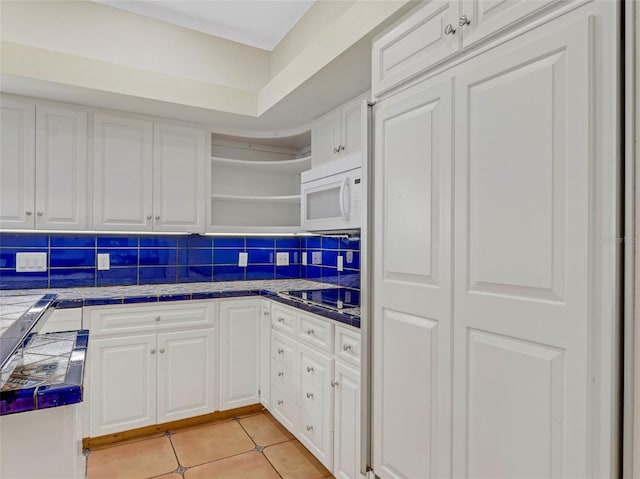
point(346, 422)
point(44, 167)
point(284, 381)
point(123, 173)
point(239, 352)
point(150, 364)
point(147, 176)
point(337, 134)
point(265, 353)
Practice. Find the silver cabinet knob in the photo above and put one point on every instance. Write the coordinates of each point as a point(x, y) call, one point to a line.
point(161, 350)
point(280, 351)
point(310, 332)
point(449, 30)
point(335, 150)
point(28, 213)
point(340, 148)
point(309, 428)
point(280, 402)
point(280, 374)
point(309, 395)
point(157, 218)
point(157, 318)
point(149, 217)
point(39, 213)
point(334, 383)
point(464, 20)
point(266, 313)
point(281, 319)
point(309, 369)
point(346, 347)
point(153, 351)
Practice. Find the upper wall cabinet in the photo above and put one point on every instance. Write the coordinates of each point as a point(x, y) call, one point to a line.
point(44, 167)
point(255, 183)
point(437, 30)
point(338, 133)
point(148, 177)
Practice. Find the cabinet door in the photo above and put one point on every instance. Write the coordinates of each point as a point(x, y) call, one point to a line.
point(414, 45)
point(61, 169)
point(123, 167)
point(346, 458)
point(412, 283)
point(352, 127)
point(17, 164)
point(326, 134)
point(178, 178)
point(186, 374)
point(123, 384)
point(239, 343)
point(525, 202)
point(265, 353)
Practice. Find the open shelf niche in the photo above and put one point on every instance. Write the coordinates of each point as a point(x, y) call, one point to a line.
point(255, 183)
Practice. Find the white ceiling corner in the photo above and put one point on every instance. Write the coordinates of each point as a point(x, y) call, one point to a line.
point(258, 23)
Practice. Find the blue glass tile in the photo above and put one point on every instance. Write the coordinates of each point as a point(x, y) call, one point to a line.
point(8, 255)
point(237, 294)
point(73, 241)
point(72, 258)
point(121, 257)
point(17, 401)
point(260, 272)
point(174, 297)
point(101, 301)
point(195, 256)
point(349, 279)
point(260, 242)
point(288, 242)
point(72, 277)
point(355, 322)
point(152, 257)
point(287, 272)
point(330, 258)
point(330, 243)
point(350, 243)
point(355, 259)
point(206, 295)
point(195, 241)
point(230, 242)
point(117, 277)
point(226, 256)
point(67, 303)
point(314, 272)
point(157, 274)
point(261, 256)
point(330, 275)
point(10, 279)
point(158, 241)
point(314, 242)
point(140, 299)
point(193, 274)
point(117, 241)
point(58, 395)
point(228, 273)
point(23, 240)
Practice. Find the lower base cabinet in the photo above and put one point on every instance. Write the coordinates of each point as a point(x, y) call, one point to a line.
point(346, 422)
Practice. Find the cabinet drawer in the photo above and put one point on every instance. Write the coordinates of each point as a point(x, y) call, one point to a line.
point(284, 319)
point(317, 332)
point(348, 345)
point(285, 380)
point(285, 410)
point(315, 368)
point(127, 319)
point(283, 351)
point(318, 439)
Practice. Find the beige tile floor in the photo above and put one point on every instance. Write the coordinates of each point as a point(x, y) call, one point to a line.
point(249, 447)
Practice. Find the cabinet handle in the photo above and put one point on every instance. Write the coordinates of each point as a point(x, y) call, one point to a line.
point(161, 350)
point(334, 383)
point(281, 319)
point(464, 20)
point(280, 351)
point(157, 218)
point(149, 217)
point(346, 347)
point(157, 318)
point(153, 351)
point(280, 402)
point(39, 213)
point(309, 369)
point(309, 428)
point(340, 148)
point(266, 313)
point(309, 395)
point(335, 150)
point(28, 213)
point(449, 30)
point(310, 332)
point(280, 373)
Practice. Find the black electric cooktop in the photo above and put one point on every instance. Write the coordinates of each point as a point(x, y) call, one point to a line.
point(335, 298)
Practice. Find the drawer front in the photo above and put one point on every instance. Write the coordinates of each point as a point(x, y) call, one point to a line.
point(127, 319)
point(318, 439)
point(348, 345)
point(285, 410)
point(284, 379)
point(283, 350)
point(283, 319)
point(315, 368)
point(317, 332)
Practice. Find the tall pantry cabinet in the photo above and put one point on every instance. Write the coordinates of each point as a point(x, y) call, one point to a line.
point(496, 180)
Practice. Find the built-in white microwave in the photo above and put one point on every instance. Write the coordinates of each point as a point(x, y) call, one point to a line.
point(331, 202)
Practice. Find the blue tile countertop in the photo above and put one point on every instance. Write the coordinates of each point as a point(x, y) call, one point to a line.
point(79, 297)
point(48, 372)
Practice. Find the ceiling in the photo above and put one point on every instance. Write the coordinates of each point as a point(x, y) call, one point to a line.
point(258, 23)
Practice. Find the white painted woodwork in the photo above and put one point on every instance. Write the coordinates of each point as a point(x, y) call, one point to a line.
point(285, 409)
point(123, 173)
point(316, 331)
point(61, 175)
point(239, 352)
point(284, 318)
point(45, 443)
point(123, 389)
point(412, 320)
point(17, 163)
point(352, 127)
point(283, 350)
point(265, 353)
point(326, 136)
point(523, 205)
point(178, 178)
point(348, 345)
point(415, 44)
point(186, 373)
point(346, 421)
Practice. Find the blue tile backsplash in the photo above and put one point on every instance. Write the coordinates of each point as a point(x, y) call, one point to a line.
point(146, 259)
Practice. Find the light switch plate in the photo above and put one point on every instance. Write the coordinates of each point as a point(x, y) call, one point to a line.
point(104, 262)
point(31, 262)
point(282, 258)
point(304, 258)
point(340, 263)
point(243, 259)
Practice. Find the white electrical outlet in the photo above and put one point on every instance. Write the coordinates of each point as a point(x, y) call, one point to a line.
point(243, 259)
point(104, 262)
point(31, 262)
point(304, 258)
point(340, 263)
point(282, 258)
point(316, 257)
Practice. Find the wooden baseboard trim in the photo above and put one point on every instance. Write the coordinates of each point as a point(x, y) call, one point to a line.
point(95, 442)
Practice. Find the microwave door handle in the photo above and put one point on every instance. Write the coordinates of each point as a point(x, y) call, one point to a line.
point(343, 210)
